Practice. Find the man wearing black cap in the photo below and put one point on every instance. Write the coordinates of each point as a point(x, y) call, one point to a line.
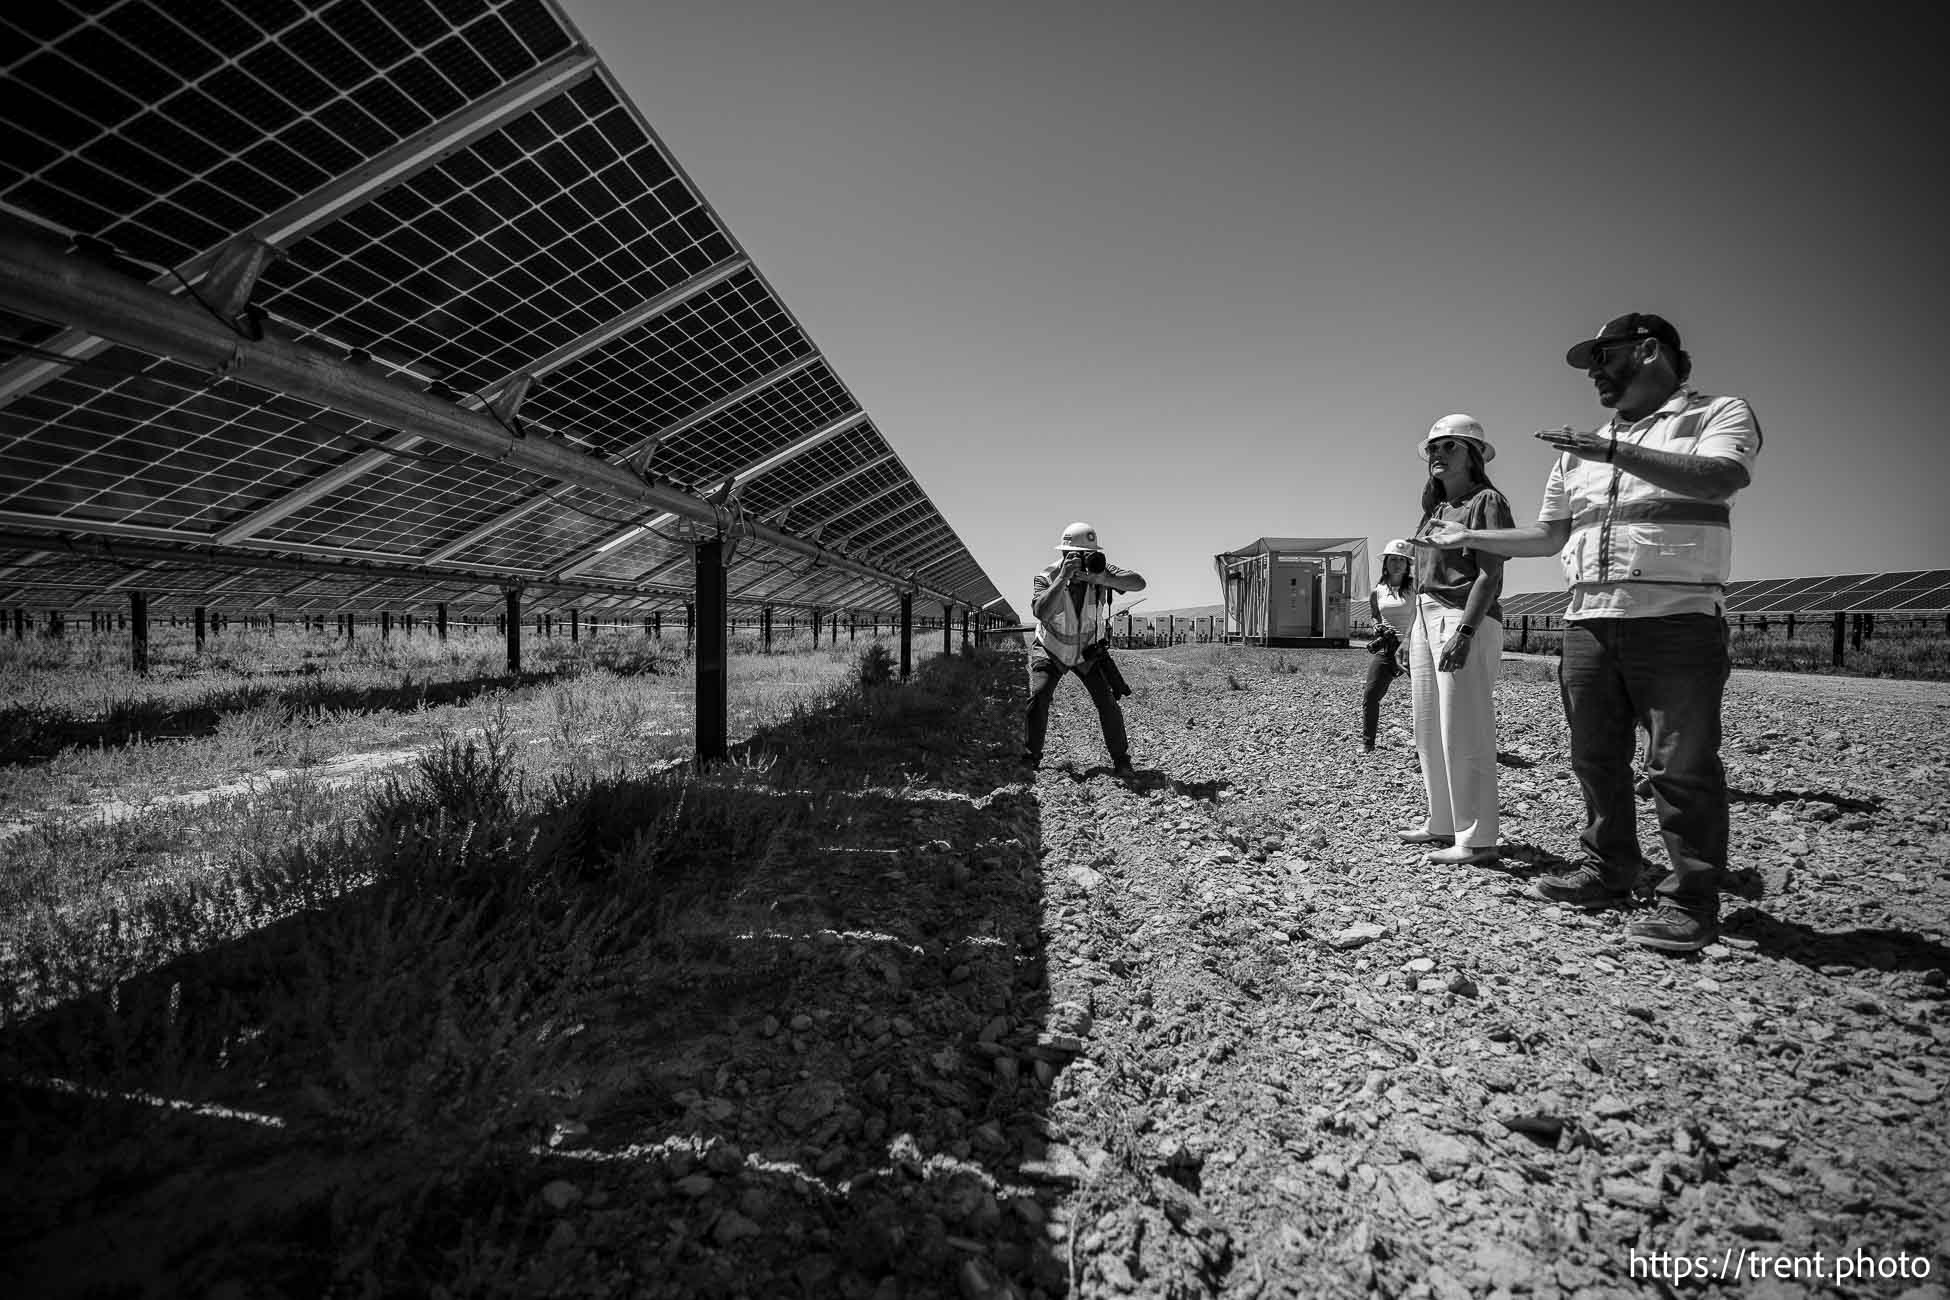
point(1638, 513)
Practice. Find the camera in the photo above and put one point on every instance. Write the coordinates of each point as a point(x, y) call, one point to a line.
point(1089, 561)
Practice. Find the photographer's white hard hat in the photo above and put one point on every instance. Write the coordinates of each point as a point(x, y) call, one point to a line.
point(1079, 537)
point(1399, 546)
point(1466, 427)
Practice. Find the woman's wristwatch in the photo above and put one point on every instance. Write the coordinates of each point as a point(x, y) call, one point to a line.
point(1465, 630)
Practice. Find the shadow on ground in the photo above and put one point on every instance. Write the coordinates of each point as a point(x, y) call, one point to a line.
point(778, 1028)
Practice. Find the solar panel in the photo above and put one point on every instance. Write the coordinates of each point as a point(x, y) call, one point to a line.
point(461, 194)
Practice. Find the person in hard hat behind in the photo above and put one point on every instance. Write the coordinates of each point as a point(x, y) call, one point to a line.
point(1070, 601)
point(1392, 607)
point(1455, 648)
point(1639, 512)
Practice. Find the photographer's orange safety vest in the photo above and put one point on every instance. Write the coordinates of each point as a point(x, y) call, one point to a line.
point(1064, 634)
point(1642, 533)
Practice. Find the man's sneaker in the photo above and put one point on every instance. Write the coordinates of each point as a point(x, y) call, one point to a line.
point(1122, 767)
point(1674, 929)
point(1031, 761)
point(1585, 886)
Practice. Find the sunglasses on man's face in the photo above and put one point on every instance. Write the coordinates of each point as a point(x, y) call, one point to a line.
point(1601, 352)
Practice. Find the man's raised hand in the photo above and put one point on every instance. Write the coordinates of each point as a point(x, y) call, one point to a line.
point(1444, 536)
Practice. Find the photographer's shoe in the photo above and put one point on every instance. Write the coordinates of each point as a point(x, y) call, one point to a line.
point(1030, 762)
point(1122, 767)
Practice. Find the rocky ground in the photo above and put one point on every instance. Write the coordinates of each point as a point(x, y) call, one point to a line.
point(1209, 1031)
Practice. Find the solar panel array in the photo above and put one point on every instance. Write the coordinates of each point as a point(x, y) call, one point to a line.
point(1914, 591)
point(462, 197)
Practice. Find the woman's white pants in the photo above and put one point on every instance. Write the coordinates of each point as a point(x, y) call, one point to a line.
point(1455, 724)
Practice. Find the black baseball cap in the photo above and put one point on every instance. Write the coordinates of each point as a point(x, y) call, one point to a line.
point(1631, 326)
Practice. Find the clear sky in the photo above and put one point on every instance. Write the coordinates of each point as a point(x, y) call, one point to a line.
point(1203, 273)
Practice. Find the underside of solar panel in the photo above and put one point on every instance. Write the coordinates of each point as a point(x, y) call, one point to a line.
point(454, 197)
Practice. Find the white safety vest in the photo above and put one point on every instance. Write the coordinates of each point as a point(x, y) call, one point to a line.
point(1637, 532)
point(1064, 634)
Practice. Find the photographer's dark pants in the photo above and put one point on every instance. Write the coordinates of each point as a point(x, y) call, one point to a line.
point(1382, 669)
point(1044, 674)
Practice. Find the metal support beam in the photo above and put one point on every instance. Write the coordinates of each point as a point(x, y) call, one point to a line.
point(304, 215)
point(947, 629)
point(139, 632)
point(907, 634)
point(511, 614)
point(340, 475)
point(713, 698)
point(37, 282)
point(744, 474)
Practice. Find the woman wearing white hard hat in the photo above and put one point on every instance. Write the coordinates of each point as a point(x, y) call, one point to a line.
point(1392, 607)
point(1455, 647)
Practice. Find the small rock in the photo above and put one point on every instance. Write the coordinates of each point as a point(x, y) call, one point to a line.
point(563, 1237)
point(1610, 1107)
point(1462, 986)
point(561, 1194)
point(696, 1185)
point(1355, 936)
point(733, 1227)
point(568, 1133)
point(801, 1023)
point(1631, 1195)
point(1420, 965)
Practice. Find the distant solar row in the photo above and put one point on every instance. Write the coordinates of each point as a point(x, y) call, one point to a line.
point(1915, 591)
point(464, 200)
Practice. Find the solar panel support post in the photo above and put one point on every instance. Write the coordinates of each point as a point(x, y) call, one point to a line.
point(511, 619)
point(964, 627)
point(817, 618)
point(440, 620)
point(575, 626)
point(712, 694)
point(385, 624)
point(947, 629)
point(1841, 634)
point(1523, 635)
point(20, 624)
point(853, 627)
point(690, 624)
point(907, 634)
point(203, 620)
point(139, 632)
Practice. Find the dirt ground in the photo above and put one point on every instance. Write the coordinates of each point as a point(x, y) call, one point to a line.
point(1208, 1031)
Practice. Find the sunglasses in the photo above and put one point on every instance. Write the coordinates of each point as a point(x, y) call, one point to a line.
point(1601, 352)
point(1446, 445)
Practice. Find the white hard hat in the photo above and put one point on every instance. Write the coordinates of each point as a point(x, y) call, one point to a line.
point(1078, 537)
point(1459, 426)
point(1399, 547)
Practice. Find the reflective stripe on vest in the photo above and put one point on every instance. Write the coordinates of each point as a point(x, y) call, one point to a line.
point(1682, 542)
point(1063, 635)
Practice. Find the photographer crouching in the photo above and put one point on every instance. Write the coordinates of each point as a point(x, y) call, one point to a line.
point(1071, 604)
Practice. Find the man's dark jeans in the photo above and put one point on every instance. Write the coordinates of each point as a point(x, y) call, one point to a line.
point(1667, 675)
point(1044, 674)
point(1382, 669)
